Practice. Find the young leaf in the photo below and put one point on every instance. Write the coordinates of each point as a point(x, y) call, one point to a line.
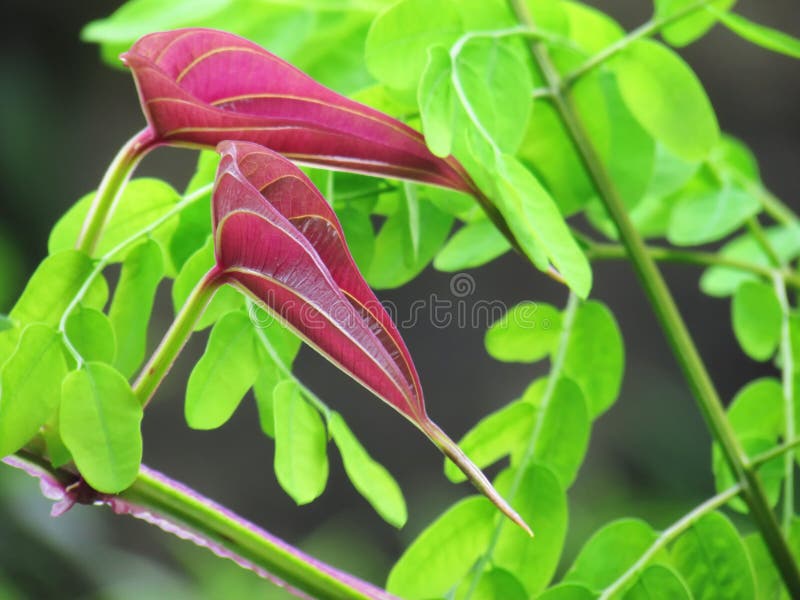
point(692, 26)
point(757, 317)
point(528, 332)
point(220, 379)
point(30, 386)
point(562, 427)
point(100, 423)
point(444, 552)
point(132, 304)
point(664, 94)
point(265, 100)
point(398, 40)
point(658, 582)
point(142, 202)
point(710, 215)
point(595, 356)
point(495, 436)
point(92, 335)
point(370, 478)
point(277, 239)
point(611, 551)
point(761, 35)
point(495, 584)
point(225, 299)
point(301, 459)
point(724, 281)
point(542, 502)
point(473, 245)
point(713, 561)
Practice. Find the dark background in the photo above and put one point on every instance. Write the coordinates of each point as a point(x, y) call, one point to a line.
point(63, 115)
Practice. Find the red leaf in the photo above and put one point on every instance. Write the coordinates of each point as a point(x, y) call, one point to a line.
point(278, 240)
point(200, 87)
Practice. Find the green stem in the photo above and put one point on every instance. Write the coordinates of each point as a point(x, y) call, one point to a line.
point(646, 30)
point(176, 337)
point(114, 180)
point(520, 468)
point(668, 535)
point(760, 236)
point(787, 373)
point(597, 251)
point(181, 511)
point(671, 321)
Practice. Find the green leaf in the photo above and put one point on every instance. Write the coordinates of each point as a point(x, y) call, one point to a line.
point(30, 386)
point(542, 503)
point(439, 106)
point(370, 478)
point(444, 552)
point(53, 286)
point(194, 222)
point(226, 299)
point(5, 323)
point(713, 561)
point(711, 215)
point(761, 35)
point(495, 436)
point(495, 584)
point(397, 42)
point(595, 356)
point(768, 582)
point(670, 172)
point(359, 234)
point(568, 591)
point(91, 334)
point(734, 159)
point(691, 27)
point(758, 409)
point(389, 267)
point(132, 304)
point(142, 202)
point(666, 97)
point(301, 459)
point(528, 332)
point(724, 281)
point(757, 318)
point(612, 551)
point(538, 225)
point(658, 582)
point(562, 427)
point(220, 379)
point(771, 472)
point(473, 245)
point(100, 423)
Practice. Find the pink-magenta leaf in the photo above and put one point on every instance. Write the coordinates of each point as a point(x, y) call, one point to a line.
point(199, 87)
point(278, 240)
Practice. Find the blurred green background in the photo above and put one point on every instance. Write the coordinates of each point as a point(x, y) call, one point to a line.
point(64, 114)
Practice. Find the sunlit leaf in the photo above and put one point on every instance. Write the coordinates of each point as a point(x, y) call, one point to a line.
point(370, 478)
point(100, 423)
point(611, 551)
point(761, 35)
point(142, 202)
point(757, 317)
point(664, 94)
point(91, 334)
point(711, 215)
point(495, 584)
point(658, 582)
point(444, 552)
point(713, 561)
point(595, 356)
point(133, 302)
point(758, 409)
point(694, 24)
point(30, 386)
point(301, 459)
point(397, 42)
point(528, 332)
point(220, 379)
point(568, 591)
point(473, 245)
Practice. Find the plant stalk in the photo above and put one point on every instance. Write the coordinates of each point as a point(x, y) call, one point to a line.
point(183, 512)
point(176, 337)
point(671, 321)
point(114, 180)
